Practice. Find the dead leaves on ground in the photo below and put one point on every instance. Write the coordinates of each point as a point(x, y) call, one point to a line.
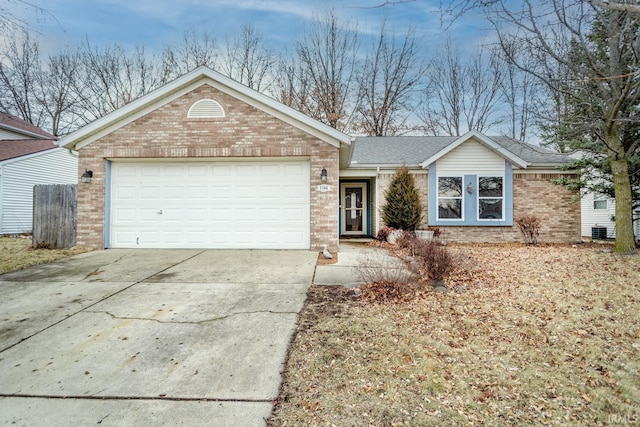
point(544, 335)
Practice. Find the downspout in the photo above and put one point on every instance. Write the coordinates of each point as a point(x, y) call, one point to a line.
point(377, 206)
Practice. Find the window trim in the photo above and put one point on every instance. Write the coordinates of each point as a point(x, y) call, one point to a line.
point(470, 200)
point(478, 198)
point(461, 198)
point(596, 200)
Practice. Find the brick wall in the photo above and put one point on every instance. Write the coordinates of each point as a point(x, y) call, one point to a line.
point(557, 207)
point(167, 133)
point(533, 193)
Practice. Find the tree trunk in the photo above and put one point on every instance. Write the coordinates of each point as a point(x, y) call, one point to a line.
point(625, 242)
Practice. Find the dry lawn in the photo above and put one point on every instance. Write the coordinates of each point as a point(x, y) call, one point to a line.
point(545, 335)
point(16, 253)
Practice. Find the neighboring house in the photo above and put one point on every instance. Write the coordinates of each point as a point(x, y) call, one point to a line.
point(28, 156)
point(598, 217)
point(205, 162)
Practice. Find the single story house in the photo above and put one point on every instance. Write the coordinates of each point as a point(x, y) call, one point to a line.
point(28, 156)
point(205, 162)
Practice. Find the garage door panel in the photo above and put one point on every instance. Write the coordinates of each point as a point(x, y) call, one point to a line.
point(222, 192)
point(151, 171)
point(126, 193)
point(173, 215)
point(173, 192)
point(173, 237)
point(150, 192)
point(211, 205)
point(150, 215)
point(196, 192)
point(124, 215)
point(174, 171)
point(199, 215)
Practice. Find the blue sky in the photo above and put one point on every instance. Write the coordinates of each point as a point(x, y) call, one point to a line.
point(155, 23)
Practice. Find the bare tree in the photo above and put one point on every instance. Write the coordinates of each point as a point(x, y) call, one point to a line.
point(387, 81)
point(20, 69)
point(462, 96)
point(454, 9)
point(327, 58)
point(192, 51)
point(12, 20)
point(600, 48)
point(56, 94)
point(291, 85)
point(247, 60)
point(111, 77)
point(519, 93)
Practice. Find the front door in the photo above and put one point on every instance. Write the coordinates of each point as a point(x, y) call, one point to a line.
point(353, 198)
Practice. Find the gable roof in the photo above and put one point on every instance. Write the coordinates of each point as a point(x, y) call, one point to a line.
point(14, 124)
point(188, 82)
point(482, 139)
point(12, 148)
point(420, 151)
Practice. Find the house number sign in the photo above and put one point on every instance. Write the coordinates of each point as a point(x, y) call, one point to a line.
point(323, 188)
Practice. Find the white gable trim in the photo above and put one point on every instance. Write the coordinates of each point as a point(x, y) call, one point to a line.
point(486, 141)
point(182, 85)
point(24, 134)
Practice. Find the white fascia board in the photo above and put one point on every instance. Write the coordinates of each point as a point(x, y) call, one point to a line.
point(25, 133)
point(487, 142)
point(358, 166)
point(359, 173)
point(550, 167)
point(187, 83)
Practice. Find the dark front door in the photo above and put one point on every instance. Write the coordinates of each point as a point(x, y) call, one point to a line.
point(354, 208)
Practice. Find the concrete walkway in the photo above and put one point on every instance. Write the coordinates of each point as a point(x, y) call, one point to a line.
point(356, 259)
point(149, 337)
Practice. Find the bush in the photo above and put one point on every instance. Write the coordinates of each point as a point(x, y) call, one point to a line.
point(529, 226)
point(402, 209)
point(431, 259)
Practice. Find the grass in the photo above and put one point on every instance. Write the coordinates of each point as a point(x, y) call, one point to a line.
point(16, 253)
point(540, 335)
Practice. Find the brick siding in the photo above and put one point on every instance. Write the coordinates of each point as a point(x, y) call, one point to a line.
point(167, 133)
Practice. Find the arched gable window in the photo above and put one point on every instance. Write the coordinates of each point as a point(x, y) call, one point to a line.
point(205, 109)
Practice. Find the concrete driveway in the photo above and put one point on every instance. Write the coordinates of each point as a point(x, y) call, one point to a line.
point(149, 337)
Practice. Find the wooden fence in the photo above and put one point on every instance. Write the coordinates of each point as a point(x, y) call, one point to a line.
point(55, 216)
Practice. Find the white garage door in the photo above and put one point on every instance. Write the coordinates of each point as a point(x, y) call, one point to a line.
point(249, 204)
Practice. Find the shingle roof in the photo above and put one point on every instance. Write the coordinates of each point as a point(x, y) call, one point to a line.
point(12, 148)
point(11, 122)
point(413, 150)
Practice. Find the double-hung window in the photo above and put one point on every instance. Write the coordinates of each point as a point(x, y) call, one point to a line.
point(450, 197)
point(490, 197)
